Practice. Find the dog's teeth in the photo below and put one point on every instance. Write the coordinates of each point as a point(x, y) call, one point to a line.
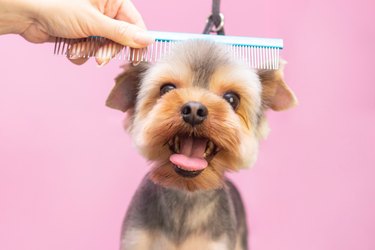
point(209, 148)
point(177, 144)
point(217, 150)
point(170, 142)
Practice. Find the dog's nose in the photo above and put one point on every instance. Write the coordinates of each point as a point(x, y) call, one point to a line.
point(194, 113)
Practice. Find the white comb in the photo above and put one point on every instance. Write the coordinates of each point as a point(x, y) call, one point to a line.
point(260, 53)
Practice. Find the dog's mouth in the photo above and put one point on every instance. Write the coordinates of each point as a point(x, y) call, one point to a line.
point(191, 154)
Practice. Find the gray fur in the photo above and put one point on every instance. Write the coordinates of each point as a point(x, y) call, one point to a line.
point(203, 58)
point(204, 65)
point(165, 210)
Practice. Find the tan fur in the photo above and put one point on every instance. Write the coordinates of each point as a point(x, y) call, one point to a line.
point(198, 216)
point(238, 244)
point(201, 242)
point(137, 239)
point(145, 240)
point(276, 94)
point(245, 83)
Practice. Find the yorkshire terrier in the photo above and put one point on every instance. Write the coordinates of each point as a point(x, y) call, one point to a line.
point(194, 115)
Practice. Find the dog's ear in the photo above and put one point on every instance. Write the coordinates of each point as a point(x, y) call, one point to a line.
point(275, 93)
point(124, 94)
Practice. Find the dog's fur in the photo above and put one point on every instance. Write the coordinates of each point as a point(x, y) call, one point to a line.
point(173, 211)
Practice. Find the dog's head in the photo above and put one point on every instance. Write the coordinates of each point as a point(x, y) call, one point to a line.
point(198, 113)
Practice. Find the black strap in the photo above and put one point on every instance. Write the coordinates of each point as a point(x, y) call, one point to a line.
point(215, 22)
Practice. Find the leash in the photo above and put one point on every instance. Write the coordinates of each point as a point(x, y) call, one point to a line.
point(215, 22)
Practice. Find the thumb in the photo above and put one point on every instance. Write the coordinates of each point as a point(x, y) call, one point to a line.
point(122, 32)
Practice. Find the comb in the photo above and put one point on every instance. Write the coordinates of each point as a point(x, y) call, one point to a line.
point(259, 53)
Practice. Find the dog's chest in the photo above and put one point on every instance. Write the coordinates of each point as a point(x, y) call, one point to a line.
point(183, 215)
point(188, 213)
point(161, 218)
point(193, 242)
point(146, 240)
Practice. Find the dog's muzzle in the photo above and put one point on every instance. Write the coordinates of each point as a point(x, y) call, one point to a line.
point(191, 154)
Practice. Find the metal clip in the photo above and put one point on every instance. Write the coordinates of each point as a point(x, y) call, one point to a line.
point(214, 27)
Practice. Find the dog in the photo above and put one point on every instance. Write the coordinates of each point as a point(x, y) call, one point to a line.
point(194, 115)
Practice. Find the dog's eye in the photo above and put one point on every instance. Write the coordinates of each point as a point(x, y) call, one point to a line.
point(166, 88)
point(233, 99)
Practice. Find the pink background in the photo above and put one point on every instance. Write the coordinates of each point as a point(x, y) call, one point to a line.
point(68, 171)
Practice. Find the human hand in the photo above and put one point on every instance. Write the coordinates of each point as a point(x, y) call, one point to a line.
point(43, 20)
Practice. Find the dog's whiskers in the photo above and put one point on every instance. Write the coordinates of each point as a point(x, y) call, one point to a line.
point(244, 120)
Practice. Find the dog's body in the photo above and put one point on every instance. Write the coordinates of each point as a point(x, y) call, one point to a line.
point(194, 115)
point(165, 218)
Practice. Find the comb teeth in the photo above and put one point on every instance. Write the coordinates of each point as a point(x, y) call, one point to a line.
point(255, 56)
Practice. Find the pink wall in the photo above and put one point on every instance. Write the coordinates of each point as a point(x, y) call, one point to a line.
point(68, 171)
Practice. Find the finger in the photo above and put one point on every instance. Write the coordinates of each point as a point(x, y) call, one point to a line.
point(122, 32)
point(81, 51)
point(107, 52)
point(112, 7)
point(78, 61)
point(129, 13)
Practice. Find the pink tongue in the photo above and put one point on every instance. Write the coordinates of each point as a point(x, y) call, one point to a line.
point(191, 154)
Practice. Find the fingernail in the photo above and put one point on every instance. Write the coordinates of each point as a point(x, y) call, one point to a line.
point(74, 56)
point(104, 62)
point(142, 37)
point(136, 63)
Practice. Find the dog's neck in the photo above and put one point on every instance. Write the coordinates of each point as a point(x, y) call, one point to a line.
point(185, 198)
point(183, 212)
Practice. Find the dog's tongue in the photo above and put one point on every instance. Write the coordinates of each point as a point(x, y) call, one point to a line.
point(191, 154)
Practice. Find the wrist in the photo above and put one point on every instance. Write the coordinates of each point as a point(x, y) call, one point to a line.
point(15, 16)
